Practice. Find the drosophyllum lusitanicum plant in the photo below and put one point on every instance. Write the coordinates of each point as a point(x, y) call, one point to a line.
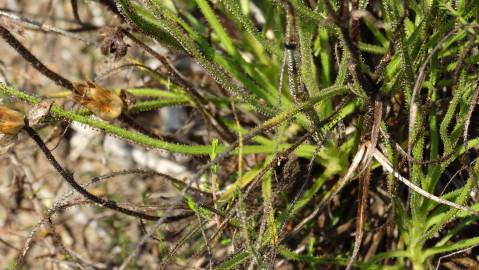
point(297, 100)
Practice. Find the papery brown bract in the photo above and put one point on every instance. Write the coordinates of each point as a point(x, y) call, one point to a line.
point(102, 102)
point(11, 121)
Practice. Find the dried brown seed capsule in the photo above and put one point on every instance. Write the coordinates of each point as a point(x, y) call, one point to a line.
point(11, 121)
point(112, 42)
point(102, 102)
point(129, 100)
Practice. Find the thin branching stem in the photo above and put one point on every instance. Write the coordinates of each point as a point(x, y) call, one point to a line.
point(32, 59)
point(68, 177)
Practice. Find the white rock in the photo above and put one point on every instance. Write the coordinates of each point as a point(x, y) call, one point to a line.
point(152, 161)
point(81, 138)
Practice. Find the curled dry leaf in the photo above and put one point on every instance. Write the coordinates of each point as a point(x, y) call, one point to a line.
point(101, 101)
point(11, 121)
point(38, 112)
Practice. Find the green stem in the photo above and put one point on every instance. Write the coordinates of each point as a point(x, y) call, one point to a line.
point(304, 150)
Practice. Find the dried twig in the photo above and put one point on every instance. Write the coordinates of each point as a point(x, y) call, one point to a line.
point(44, 27)
point(37, 64)
point(68, 177)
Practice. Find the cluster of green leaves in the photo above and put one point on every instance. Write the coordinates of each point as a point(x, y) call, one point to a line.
point(422, 54)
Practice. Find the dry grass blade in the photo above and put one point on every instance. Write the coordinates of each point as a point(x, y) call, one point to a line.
point(358, 158)
point(389, 168)
point(365, 178)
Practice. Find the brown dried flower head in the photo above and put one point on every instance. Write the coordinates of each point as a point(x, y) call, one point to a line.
point(102, 102)
point(11, 121)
